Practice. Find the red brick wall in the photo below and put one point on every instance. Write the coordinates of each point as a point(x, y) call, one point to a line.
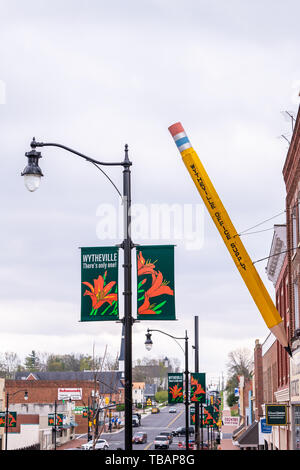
point(258, 372)
point(24, 419)
point(270, 375)
point(282, 305)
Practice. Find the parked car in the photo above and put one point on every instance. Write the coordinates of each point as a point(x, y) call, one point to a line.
point(161, 442)
point(182, 445)
point(168, 434)
point(172, 410)
point(101, 444)
point(139, 438)
point(155, 410)
point(181, 431)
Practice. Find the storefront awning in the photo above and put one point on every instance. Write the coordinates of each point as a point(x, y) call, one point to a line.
point(237, 432)
point(250, 437)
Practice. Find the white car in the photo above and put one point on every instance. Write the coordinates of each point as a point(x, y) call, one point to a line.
point(161, 442)
point(101, 444)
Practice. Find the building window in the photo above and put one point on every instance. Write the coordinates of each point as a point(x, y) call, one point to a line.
point(298, 213)
point(296, 305)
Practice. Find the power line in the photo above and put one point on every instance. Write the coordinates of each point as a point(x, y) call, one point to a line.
point(258, 231)
point(261, 223)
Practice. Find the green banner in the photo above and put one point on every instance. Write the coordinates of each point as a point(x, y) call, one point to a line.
point(155, 282)
point(12, 419)
point(59, 419)
point(87, 413)
point(99, 284)
point(198, 387)
point(209, 417)
point(175, 388)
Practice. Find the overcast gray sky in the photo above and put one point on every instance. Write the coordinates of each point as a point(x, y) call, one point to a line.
point(95, 75)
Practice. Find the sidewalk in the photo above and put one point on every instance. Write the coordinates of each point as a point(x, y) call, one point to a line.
point(226, 433)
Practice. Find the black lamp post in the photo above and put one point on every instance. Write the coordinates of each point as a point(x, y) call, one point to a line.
point(55, 423)
point(149, 344)
point(32, 175)
point(7, 412)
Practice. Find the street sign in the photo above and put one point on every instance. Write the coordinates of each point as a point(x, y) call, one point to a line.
point(265, 429)
point(276, 415)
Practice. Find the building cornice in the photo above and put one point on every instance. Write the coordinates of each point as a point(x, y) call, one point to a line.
point(291, 160)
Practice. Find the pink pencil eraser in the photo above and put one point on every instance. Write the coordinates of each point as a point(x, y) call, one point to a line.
point(176, 128)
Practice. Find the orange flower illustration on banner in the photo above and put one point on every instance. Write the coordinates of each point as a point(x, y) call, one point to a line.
point(197, 390)
point(159, 287)
point(176, 392)
point(100, 293)
point(144, 267)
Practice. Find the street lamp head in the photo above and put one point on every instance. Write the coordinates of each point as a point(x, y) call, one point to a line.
point(25, 395)
point(148, 342)
point(32, 172)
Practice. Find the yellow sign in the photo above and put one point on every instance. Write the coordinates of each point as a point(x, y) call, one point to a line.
point(229, 235)
point(106, 400)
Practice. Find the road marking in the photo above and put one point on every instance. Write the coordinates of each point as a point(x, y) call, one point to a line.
point(173, 421)
point(178, 416)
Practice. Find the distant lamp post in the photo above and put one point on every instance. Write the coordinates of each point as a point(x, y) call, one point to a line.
point(8, 396)
point(166, 362)
point(148, 345)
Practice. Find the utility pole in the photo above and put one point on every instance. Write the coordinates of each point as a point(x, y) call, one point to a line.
point(197, 418)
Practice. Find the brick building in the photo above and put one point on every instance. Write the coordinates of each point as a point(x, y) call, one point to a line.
point(257, 382)
point(82, 387)
point(291, 175)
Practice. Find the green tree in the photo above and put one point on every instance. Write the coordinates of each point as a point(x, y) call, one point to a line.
point(32, 362)
point(231, 399)
point(161, 396)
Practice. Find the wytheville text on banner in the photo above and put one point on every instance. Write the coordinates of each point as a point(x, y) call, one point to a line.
point(99, 284)
point(175, 388)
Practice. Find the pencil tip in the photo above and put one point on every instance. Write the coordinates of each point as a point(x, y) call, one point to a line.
point(288, 350)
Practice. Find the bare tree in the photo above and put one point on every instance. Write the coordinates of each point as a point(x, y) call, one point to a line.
point(9, 364)
point(240, 363)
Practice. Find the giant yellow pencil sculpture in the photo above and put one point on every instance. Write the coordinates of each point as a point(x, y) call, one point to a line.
point(229, 235)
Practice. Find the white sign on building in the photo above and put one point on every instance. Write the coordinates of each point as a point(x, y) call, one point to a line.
point(67, 393)
point(231, 421)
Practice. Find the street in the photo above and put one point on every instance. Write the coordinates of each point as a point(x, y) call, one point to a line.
point(152, 425)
